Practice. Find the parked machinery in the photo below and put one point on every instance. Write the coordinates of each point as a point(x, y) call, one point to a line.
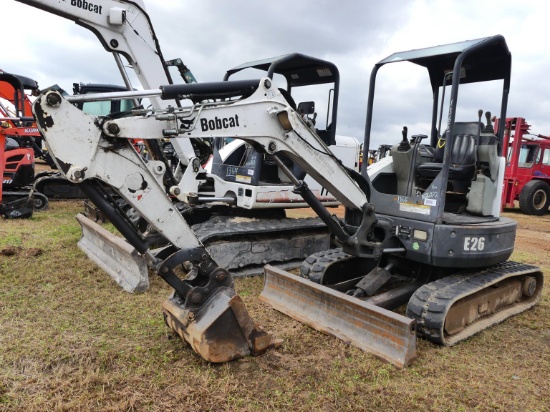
point(423, 227)
point(18, 143)
point(527, 176)
point(229, 207)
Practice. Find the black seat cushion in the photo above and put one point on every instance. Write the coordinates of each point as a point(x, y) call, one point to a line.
point(463, 159)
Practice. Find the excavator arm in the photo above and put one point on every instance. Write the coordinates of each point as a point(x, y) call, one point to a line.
point(124, 29)
point(204, 305)
point(95, 152)
point(264, 119)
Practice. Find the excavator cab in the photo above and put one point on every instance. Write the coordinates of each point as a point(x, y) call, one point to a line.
point(103, 107)
point(298, 72)
point(450, 168)
point(16, 108)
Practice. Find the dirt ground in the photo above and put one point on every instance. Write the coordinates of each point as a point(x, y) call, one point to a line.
point(70, 339)
point(533, 233)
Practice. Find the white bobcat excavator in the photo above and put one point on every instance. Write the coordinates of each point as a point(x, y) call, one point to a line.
point(230, 194)
point(423, 230)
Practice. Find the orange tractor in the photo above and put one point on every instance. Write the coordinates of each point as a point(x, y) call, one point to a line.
point(19, 138)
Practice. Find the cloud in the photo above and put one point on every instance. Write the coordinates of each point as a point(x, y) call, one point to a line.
point(213, 36)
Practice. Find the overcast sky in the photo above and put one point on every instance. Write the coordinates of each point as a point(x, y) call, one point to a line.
point(213, 36)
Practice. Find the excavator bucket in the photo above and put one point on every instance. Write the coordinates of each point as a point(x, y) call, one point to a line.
point(114, 255)
point(385, 334)
point(221, 330)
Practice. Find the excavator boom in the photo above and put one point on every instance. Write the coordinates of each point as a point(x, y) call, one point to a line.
point(224, 184)
point(204, 309)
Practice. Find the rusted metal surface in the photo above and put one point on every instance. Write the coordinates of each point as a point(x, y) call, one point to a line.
point(287, 196)
point(114, 255)
point(93, 213)
point(492, 305)
point(221, 331)
point(481, 304)
point(383, 333)
point(454, 308)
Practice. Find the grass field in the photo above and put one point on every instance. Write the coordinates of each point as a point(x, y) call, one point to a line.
point(72, 340)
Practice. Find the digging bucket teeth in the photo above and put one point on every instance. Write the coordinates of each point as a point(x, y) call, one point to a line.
point(385, 334)
point(221, 330)
point(114, 255)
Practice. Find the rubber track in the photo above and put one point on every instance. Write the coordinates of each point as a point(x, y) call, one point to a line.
point(225, 229)
point(430, 303)
point(315, 266)
point(57, 187)
point(284, 242)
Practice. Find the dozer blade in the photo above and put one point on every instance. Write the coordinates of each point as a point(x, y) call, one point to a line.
point(114, 255)
point(383, 333)
point(221, 330)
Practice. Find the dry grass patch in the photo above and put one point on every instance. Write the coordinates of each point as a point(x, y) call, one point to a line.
point(73, 340)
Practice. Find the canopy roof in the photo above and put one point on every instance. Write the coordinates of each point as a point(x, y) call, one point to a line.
point(487, 59)
point(298, 69)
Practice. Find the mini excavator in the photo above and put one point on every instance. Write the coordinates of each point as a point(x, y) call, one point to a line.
point(421, 228)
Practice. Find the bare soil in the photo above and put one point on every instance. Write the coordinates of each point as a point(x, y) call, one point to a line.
point(71, 340)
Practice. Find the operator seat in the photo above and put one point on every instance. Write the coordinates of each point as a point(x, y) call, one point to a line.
point(462, 166)
point(11, 144)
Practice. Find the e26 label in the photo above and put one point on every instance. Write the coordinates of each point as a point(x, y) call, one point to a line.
point(474, 244)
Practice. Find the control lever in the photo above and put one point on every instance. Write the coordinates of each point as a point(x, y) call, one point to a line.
point(404, 145)
point(416, 139)
point(489, 126)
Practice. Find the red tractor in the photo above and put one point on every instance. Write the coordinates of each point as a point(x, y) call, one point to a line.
point(18, 142)
point(527, 175)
